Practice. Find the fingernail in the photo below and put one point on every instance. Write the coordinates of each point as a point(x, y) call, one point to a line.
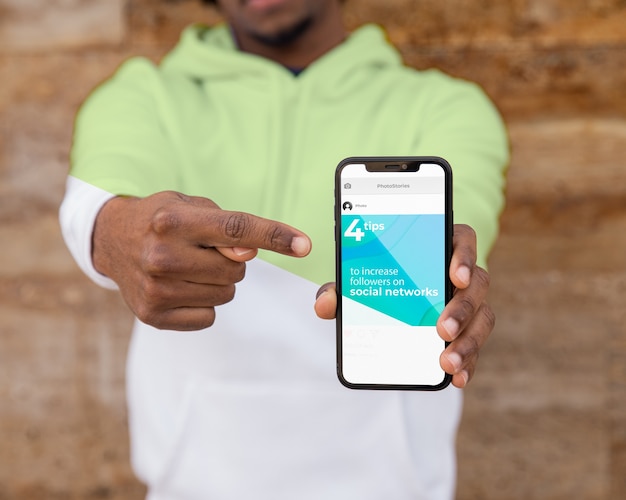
point(300, 245)
point(464, 376)
point(241, 251)
point(463, 274)
point(452, 327)
point(455, 360)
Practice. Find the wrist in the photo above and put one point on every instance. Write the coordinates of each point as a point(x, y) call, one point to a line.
point(109, 227)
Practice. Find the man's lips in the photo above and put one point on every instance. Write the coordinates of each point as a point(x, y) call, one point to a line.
point(263, 4)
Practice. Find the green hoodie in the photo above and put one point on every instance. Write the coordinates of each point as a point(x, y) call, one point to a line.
point(245, 132)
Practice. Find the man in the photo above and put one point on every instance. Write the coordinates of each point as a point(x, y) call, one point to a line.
point(189, 175)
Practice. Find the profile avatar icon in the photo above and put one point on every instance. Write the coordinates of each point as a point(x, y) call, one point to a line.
point(347, 205)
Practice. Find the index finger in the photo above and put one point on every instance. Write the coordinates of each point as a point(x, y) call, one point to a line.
point(240, 229)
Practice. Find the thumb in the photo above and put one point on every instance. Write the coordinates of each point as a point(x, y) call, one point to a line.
point(238, 254)
point(326, 301)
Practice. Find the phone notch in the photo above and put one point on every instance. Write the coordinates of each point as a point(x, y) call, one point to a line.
point(393, 166)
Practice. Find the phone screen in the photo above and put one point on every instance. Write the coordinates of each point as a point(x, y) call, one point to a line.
point(393, 234)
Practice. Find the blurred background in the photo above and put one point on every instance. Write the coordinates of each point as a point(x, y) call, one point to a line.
point(545, 416)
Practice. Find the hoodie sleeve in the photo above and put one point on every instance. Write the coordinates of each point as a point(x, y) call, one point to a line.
point(465, 128)
point(121, 143)
point(80, 207)
point(120, 147)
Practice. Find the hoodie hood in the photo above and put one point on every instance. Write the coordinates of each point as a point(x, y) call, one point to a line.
point(204, 53)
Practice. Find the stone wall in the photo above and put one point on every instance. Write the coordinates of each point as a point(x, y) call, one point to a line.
point(546, 414)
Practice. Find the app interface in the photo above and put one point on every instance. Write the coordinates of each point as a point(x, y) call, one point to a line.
point(392, 228)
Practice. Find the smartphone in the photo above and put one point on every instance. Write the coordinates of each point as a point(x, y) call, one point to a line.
point(393, 234)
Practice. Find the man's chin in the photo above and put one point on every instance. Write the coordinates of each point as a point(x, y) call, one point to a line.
point(285, 36)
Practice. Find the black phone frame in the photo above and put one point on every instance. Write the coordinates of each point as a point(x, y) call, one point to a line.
point(449, 223)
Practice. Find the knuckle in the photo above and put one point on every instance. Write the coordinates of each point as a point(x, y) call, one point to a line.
point(239, 272)
point(179, 196)
point(489, 316)
point(218, 295)
point(200, 320)
point(152, 293)
point(482, 277)
point(160, 258)
point(228, 293)
point(466, 308)
point(470, 367)
point(165, 220)
point(235, 225)
point(469, 351)
point(275, 237)
point(473, 347)
point(228, 272)
point(465, 230)
point(147, 314)
point(222, 295)
point(157, 260)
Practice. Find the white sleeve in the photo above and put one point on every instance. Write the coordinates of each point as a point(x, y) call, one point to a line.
point(77, 216)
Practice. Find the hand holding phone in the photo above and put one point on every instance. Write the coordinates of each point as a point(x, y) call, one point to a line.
point(394, 239)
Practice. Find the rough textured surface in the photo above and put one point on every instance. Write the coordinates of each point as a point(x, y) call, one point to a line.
point(546, 414)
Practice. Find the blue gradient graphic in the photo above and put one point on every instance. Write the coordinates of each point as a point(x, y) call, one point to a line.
point(411, 246)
